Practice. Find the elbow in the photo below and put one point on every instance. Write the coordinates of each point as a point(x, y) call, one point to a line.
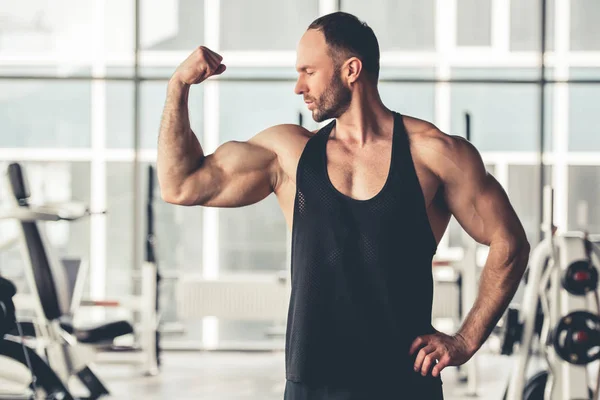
point(171, 198)
point(513, 251)
point(179, 198)
point(524, 248)
point(521, 254)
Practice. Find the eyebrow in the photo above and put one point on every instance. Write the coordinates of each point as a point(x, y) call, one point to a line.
point(303, 68)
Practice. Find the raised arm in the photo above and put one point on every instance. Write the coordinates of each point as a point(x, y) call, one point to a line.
point(236, 174)
point(482, 208)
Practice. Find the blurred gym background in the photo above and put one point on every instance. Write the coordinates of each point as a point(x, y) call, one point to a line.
point(83, 83)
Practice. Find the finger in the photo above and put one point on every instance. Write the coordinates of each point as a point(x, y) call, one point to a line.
point(217, 56)
point(418, 342)
point(220, 69)
point(211, 60)
point(421, 356)
point(443, 363)
point(429, 361)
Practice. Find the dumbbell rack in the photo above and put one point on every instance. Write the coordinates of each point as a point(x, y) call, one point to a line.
point(548, 264)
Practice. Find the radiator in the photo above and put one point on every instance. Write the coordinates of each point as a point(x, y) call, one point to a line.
point(237, 297)
point(267, 298)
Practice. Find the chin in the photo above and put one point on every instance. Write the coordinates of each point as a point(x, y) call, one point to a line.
point(320, 117)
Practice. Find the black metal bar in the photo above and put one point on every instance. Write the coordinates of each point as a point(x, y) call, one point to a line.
point(468, 126)
point(542, 105)
point(150, 256)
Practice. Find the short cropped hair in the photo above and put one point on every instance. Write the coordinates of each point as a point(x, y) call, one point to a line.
point(347, 36)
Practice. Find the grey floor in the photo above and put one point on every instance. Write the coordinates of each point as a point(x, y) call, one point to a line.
point(229, 376)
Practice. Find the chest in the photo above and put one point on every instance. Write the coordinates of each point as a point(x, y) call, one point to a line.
point(358, 173)
point(362, 174)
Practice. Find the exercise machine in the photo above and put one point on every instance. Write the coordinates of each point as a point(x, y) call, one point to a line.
point(56, 340)
point(30, 375)
point(558, 317)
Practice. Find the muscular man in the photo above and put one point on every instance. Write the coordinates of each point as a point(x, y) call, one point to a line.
point(367, 199)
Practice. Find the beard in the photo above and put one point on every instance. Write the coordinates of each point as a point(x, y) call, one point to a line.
point(334, 101)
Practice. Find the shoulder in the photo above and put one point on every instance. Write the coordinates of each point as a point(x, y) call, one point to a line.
point(287, 142)
point(443, 154)
point(282, 138)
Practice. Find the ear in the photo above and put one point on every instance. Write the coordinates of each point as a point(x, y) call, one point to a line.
point(352, 69)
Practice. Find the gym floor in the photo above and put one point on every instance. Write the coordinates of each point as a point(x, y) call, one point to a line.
point(257, 376)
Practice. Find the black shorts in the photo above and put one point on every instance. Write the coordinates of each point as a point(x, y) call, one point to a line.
point(299, 391)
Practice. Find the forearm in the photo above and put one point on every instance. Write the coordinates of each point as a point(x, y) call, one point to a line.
point(499, 281)
point(179, 152)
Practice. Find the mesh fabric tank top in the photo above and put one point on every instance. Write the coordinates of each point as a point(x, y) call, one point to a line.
point(361, 271)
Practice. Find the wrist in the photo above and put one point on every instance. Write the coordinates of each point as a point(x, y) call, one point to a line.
point(471, 345)
point(175, 82)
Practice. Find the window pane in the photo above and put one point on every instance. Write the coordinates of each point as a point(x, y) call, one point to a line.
point(172, 24)
point(525, 30)
point(178, 232)
point(474, 23)
point(584, 109)
point(503, 117)
point(585, 72)
point(152, 102)
point(42, 26)
point(412, 99)
point(119, 114)
point(398, 24)
point(249, 107)
point(524, 193)
point(585, 30)
point(45, 113)
point(584, 192)
point(119, 228)
point(270, 25)
point(119, 26)
point(178, 243)
point(254, 238)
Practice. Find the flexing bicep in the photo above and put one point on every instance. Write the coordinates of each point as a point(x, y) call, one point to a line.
point(475, 198)
point(236, 174)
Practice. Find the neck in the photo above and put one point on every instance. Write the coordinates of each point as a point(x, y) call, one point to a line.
point(366, 118)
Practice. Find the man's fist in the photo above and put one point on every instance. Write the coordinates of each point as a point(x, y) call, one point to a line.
point(199, 66)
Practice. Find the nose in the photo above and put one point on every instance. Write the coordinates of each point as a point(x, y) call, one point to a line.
point(299, 88)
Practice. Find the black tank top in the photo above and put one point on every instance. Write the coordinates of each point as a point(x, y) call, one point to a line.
point(361, 271)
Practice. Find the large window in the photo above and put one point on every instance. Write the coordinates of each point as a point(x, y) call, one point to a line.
point(45, 114)
point(504, 117)
point(68, 90)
